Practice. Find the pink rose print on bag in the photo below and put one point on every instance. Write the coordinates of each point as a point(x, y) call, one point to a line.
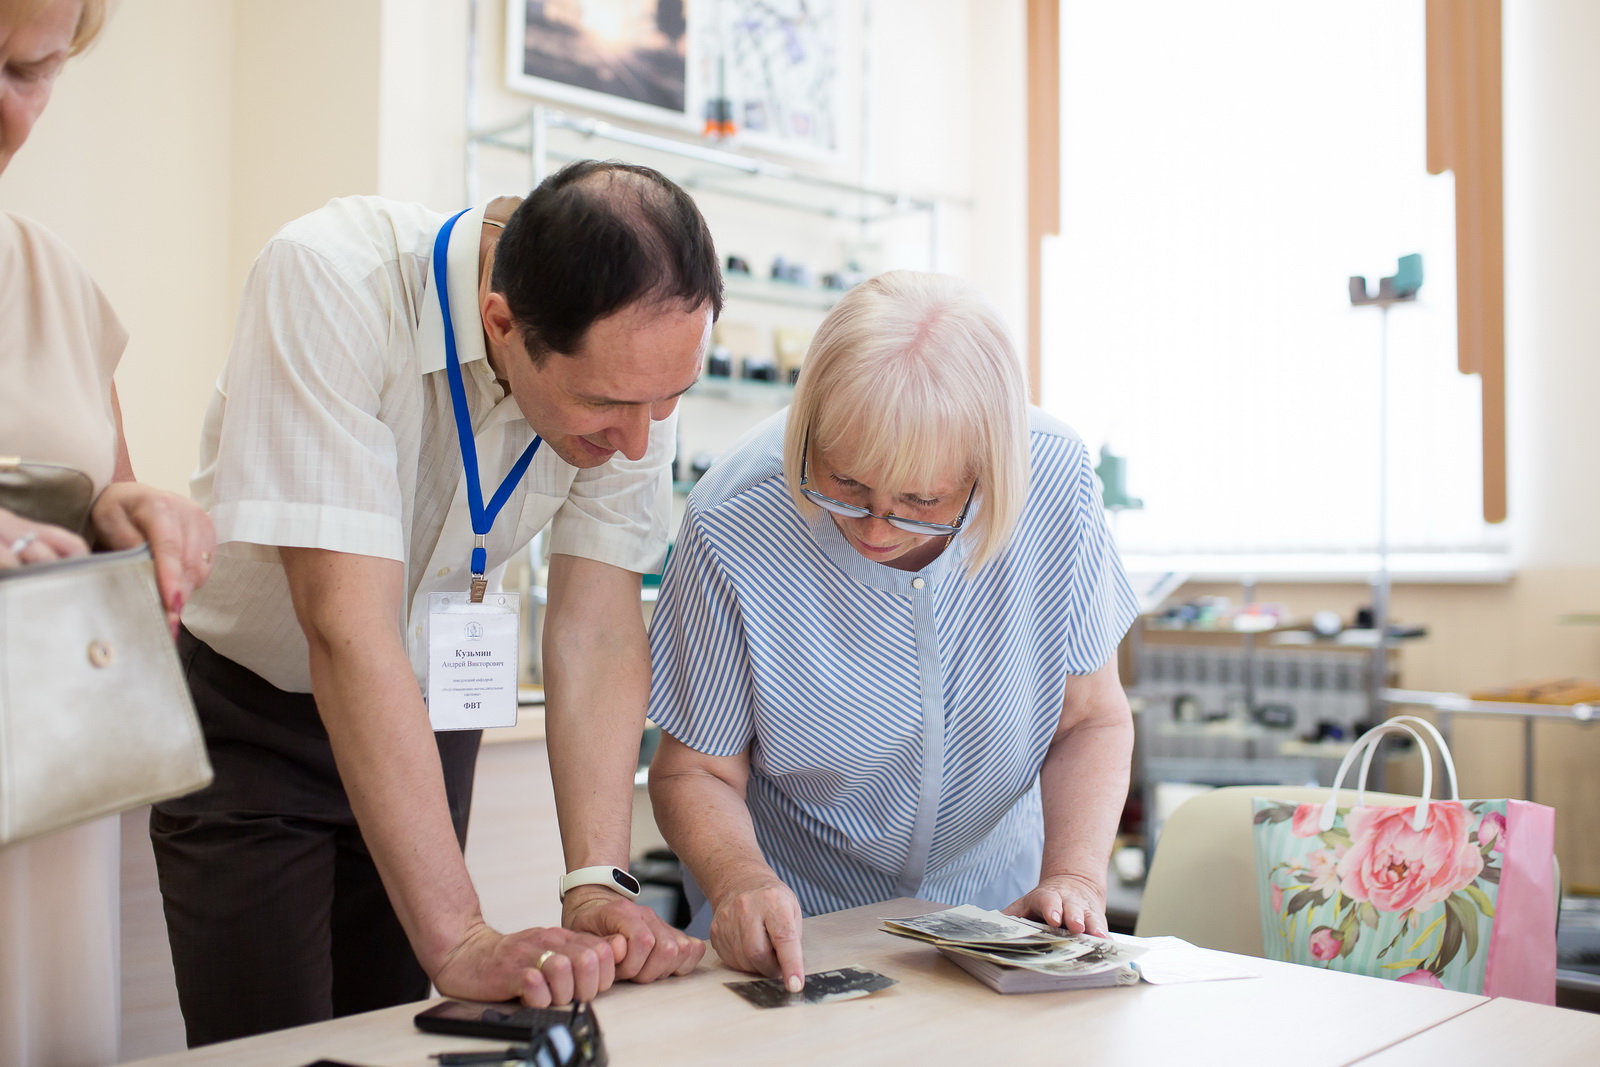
point(1372, 895)
point(1325, 945)
point(1323, 866)
point(1492, 832)
point(1306, 820)
point(1427, 978)
point(1396, 868)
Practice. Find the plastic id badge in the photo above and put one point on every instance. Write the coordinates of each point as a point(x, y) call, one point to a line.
point(472, 661)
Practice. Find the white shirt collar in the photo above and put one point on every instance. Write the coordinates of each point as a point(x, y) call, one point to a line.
point(462, 274)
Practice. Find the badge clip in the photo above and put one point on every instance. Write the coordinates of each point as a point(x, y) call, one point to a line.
point(480, 581)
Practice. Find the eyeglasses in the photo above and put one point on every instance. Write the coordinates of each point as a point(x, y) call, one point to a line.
point(853, 511)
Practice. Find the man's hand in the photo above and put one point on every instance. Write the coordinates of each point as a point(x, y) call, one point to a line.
point(757, 928)
point(35, 542)
point(1068, 900)
point(653, 948)
point(489, 965)
point(178, 531)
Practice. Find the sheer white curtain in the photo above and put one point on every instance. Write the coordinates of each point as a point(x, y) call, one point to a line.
point(1227, 164)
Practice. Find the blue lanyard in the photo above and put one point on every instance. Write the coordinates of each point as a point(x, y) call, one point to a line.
point(482, 517)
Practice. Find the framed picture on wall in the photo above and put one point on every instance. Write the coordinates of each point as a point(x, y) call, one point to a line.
point(628, 58)
point(778, 65)
point(772, 67)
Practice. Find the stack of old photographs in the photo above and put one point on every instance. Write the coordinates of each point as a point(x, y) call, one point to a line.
point(1012, 955)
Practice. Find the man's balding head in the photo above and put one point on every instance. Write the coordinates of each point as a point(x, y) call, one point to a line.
point(595, 238)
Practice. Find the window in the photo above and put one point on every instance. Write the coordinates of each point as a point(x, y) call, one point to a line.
point(1225, 167)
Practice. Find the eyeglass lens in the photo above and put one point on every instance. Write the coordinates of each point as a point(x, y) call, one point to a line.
point(851, 511)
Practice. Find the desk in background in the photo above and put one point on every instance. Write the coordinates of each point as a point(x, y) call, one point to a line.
point(939, 1015)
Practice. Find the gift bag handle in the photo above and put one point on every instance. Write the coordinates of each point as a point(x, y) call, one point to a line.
point(1365, 744)
point(1438, 740)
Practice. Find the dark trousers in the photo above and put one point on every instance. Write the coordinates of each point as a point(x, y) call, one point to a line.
point(275, 911)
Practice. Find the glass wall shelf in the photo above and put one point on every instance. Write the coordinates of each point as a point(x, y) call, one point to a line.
point(743, 391)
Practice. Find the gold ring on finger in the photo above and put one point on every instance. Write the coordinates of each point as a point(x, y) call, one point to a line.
point(545, 956)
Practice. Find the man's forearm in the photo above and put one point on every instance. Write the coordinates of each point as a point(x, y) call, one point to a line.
point(597, 685)
point(383, 745)
point(389, 763)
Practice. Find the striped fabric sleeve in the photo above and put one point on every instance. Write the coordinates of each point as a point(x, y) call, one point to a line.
point(701, 689)
point(1101, 604)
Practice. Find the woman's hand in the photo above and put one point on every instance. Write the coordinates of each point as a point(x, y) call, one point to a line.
point(756, 928)
point(24, 541)
point(1068, 900)
point(178, 531)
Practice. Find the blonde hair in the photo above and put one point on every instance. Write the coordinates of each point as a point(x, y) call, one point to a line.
point(91, 18)
point(919, 372)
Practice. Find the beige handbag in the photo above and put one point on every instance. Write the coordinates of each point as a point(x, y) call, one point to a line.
point(95, 717)
point(46, 492)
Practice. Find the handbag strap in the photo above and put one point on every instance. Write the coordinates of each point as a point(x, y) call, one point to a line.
point(1365, 744)
point(1438, 740)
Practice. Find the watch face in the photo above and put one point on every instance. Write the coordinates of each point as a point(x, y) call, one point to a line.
point(625, 880)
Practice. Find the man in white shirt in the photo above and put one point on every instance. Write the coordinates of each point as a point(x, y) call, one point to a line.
point(332, 466)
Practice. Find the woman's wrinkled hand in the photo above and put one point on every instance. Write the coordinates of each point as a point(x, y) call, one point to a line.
point(756, 928)
point(1065, 900)
point(25, 541)
point(178, 531)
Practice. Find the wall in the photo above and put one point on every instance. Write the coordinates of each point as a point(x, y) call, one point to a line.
point(130, 166)
point(196, 128)
point(305, 96)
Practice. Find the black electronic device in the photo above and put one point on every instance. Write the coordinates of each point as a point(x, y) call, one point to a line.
point(511, 1021)
point(1278, 716)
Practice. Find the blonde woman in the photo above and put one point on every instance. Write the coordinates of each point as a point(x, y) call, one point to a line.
point(883, 654)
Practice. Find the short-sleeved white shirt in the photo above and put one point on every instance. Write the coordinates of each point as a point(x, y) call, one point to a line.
point(332, 427)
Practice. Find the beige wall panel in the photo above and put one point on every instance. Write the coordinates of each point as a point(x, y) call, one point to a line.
point(422, 102)
point(305, 112)
point(130, 166)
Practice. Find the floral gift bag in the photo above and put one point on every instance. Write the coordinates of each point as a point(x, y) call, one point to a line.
point(1446, 893)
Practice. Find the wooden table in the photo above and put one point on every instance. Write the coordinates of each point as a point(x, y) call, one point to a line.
point(936, 1015)
point(1508, 1032)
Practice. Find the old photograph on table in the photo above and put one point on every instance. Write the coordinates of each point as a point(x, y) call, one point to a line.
point(966, 924)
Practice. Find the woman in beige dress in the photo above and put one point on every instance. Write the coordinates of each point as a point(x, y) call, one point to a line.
point(59, 345)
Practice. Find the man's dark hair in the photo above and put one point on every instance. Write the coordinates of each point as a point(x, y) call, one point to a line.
point(596, 237)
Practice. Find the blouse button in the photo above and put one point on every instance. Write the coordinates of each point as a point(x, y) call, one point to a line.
point(917, 583)
point(443, 571)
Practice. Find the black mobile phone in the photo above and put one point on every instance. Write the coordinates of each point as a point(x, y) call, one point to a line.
point(509, 1021)
point(513, 1022)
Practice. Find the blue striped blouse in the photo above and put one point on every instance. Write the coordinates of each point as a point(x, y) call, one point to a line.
point(895, 720)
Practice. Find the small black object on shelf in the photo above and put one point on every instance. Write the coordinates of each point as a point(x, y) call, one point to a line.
point(759, 369)
point(1276, 716)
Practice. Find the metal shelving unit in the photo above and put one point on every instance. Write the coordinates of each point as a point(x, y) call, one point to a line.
point(1451, 704)
point(701, 168)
